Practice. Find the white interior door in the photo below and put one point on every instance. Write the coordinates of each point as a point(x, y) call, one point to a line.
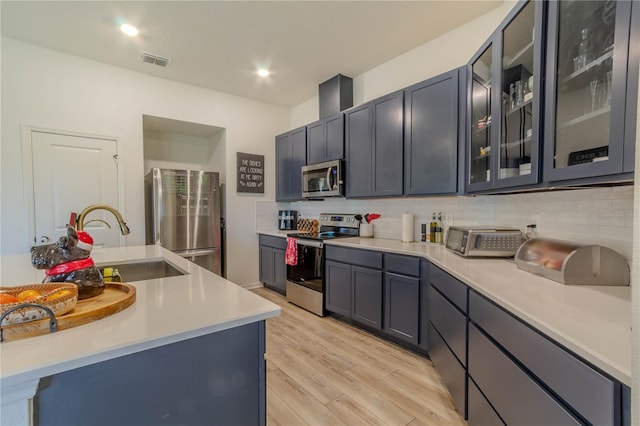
point(69, 173)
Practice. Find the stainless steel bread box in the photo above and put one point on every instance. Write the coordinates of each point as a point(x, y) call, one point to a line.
point(482, 241)
point(573, 263)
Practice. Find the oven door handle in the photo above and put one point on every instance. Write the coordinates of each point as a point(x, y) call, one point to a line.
point(309, 243)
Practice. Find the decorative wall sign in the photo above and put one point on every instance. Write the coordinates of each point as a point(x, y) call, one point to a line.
point(250, 173)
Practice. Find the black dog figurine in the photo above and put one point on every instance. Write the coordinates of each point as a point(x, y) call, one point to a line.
point(67, 260)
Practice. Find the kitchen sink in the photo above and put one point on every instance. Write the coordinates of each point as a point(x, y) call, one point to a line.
point(140, 271)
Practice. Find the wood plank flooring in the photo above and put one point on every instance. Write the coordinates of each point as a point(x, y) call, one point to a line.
point(323, 372)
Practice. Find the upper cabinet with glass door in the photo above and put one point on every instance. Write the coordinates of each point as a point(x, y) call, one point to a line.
point(479, 113)
point(587, 71)
point(503, 141)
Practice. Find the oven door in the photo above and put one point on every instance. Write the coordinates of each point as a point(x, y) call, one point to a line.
point(309, 269)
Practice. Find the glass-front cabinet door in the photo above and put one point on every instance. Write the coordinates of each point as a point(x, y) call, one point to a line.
point(518, 150)
point(479, 147)
point(503, 148)
point(586, 88)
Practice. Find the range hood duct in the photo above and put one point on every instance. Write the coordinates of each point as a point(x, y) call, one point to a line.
point(336, 94)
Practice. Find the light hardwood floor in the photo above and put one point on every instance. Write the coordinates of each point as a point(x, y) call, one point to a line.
point(323, 372)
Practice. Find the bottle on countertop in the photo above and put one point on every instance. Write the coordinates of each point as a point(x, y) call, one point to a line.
point(432, 228)
point(423, 232)
point(439, 238)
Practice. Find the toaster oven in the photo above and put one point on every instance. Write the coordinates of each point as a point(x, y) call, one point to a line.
point(483, 241)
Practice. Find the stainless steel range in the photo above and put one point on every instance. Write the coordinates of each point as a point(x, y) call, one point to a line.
point(305, 280)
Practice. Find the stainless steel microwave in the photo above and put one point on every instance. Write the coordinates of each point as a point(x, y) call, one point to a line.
point(323, 180)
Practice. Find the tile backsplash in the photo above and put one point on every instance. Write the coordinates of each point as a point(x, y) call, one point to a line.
point(596, 215)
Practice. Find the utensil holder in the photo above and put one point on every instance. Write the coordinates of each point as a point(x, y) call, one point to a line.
point(366, 230)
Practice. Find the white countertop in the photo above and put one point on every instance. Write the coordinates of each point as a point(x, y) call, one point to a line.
point(277, 232)
point(592, 321)
point(166, 310)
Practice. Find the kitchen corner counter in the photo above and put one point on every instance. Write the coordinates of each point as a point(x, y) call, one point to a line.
point(592, 321)
point(276, 232)
point(166, 310)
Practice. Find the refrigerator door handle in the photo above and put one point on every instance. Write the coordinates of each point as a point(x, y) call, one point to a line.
point(194, 253)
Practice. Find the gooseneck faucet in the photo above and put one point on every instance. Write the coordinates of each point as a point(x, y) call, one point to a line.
point(81, 217)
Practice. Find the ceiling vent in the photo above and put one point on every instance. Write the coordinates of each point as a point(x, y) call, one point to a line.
point(150, 58)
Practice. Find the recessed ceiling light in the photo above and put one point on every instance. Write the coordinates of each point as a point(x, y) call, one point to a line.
point(263, 72)
point(129, 30)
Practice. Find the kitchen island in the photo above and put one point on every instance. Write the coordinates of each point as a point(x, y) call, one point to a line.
point(188, 346)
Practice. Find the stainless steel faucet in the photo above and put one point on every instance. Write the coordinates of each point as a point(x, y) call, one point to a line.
point(124, 229)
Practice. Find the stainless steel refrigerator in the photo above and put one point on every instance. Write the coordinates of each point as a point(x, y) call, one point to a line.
point(183, 215)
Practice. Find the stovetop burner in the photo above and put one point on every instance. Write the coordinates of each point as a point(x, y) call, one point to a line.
point(323, 235)
point(332, 225)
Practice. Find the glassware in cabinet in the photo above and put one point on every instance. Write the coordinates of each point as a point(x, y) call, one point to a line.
point(481, 124)
point(586, 94)
point(519, 66)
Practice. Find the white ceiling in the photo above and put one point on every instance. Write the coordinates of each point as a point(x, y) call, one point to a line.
point(219, 44)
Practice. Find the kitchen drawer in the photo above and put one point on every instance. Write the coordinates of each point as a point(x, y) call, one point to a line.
point(450, 323)
point(512, 392)
point(451, 371)
point(479, 411)
point(591, 394)
point(271, 241)
point(406, 265)
point(452, 288)
point(367, 258)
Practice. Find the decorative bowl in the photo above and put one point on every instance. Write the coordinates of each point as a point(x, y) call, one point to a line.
point(59, 305)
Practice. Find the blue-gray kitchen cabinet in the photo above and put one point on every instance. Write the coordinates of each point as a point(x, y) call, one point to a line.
point(338, 288)
point(387, 293)
point(272, 268)
point(359, 151)
point(448, 301)
point(432, 134)
point(402, 297)
point(423, 339)
point(505, 101)
point(325, 139)
point(402, 306)
point(374, 147)
point(592, 76)
point(291, 155)
point(366, 296)
point(553, 385)
point(214, 379)
point(353, 285)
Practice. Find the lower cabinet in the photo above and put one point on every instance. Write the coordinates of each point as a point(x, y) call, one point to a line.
point(448, 333)
point(402, 298)
point(215, 379)
point(539, 382)
point(338, 288)
point(273, 270)
point(452, 372)
point(366, 296)
point(380, 291)
point(479, 410)
point(354, 291)
point(516, 396)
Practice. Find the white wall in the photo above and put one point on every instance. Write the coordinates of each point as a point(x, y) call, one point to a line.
point(178, 151)
point(592, 216)
point(635, 286)
point(449, 51)
point(46, 88)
